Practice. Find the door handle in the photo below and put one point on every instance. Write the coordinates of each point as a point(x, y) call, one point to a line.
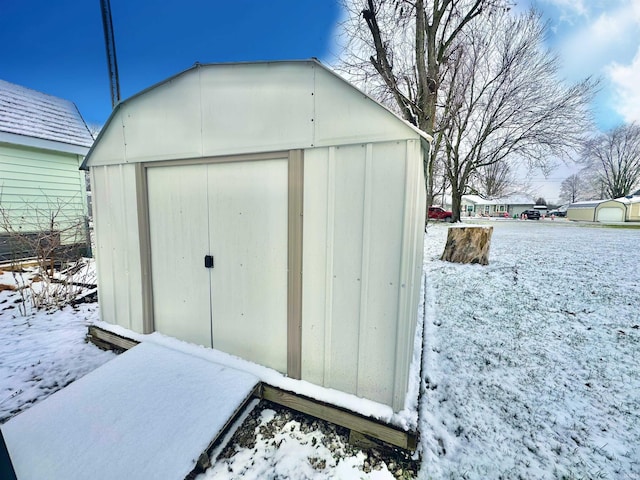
point(208, 261)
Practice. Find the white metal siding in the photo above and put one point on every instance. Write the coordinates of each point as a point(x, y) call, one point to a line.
point(164, 123)
point(359, 283)
point(118, 248)
point(256, 108)
point(344, 115)
point(220, 110)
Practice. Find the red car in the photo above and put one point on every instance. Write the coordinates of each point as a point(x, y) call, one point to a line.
point(437, 213)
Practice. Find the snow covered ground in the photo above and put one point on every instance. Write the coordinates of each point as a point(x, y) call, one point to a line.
point(531, 367)
point(41, 351)
point(532, 361)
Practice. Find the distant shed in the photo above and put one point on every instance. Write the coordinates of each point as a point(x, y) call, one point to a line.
point(268, 210)
point(604, 211)
point(583, 211)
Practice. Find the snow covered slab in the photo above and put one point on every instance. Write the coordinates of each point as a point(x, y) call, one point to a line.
point(148, 413)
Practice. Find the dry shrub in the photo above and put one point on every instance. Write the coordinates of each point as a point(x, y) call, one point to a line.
point(4, 287)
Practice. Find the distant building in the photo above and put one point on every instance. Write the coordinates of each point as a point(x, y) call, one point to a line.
point(624, 209)
point(514, 205)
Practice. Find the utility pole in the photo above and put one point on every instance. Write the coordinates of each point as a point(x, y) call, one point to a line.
point(110, 43)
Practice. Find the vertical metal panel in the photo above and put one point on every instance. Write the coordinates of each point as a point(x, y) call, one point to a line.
point(294, 281)
point(248, 219)
point(411, 268)
point(179, 234)
point(356, 335)
point(317, 279)
point(117, 253)
point(101, 225)
point(329, 259)
point(347, 266)
point(383, 234)
point(253, 108)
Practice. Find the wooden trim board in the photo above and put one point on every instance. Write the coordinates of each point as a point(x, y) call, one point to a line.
point(101, 337)
point(353, 421)
point(300, 403)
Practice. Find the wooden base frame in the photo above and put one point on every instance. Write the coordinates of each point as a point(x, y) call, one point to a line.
point(361, 425)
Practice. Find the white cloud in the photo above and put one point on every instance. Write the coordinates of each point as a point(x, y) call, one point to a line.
point(627, 88)
point(569, 8)
point(612, 35)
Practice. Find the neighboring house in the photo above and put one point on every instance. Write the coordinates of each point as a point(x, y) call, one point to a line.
point(514, 205)
point(43, 141)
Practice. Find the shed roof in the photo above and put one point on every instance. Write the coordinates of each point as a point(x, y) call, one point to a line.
point(34, 114)
point(586, 204)
point(234, 108)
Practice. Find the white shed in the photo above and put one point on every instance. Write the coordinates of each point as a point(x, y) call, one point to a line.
point(269, 210)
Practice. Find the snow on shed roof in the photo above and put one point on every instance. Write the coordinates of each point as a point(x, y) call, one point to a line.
point(35, 114)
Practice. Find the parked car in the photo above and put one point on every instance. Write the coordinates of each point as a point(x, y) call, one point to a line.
point(531, 214)
point(437, 213)
point(557, 213)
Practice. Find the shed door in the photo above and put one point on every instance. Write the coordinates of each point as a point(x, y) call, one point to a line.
point(236, 212)
point(610, 214)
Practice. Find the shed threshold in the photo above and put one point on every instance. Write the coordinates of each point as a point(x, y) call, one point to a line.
point(148, 413)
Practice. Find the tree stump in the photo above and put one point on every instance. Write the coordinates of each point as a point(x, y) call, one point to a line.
point(468, 245)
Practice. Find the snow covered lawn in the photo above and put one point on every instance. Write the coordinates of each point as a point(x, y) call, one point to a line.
point(531, 368)
point(532, 361)
point(40, 351)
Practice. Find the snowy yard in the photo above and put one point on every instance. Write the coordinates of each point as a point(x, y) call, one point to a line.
point(532, 361)
point(531, 368)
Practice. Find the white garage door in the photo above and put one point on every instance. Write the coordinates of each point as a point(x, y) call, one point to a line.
point(237, 213)
point(611, 214)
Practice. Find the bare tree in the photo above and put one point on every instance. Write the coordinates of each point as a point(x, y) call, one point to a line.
point(397, 49)
point(614, 159)
point(505, 103)
point(573, 188)
point(494, 181)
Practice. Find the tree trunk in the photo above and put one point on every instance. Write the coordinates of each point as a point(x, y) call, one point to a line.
point(456, 204)
point(468, 245)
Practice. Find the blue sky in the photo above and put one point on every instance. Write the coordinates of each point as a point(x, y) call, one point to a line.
point(58, 47)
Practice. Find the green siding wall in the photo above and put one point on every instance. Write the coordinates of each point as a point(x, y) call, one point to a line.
point(38, 184)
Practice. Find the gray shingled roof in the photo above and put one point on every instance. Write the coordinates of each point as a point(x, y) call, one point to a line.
point(35, 114)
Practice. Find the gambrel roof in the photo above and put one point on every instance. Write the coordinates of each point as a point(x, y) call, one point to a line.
point(32, 114)
point(234, 108)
